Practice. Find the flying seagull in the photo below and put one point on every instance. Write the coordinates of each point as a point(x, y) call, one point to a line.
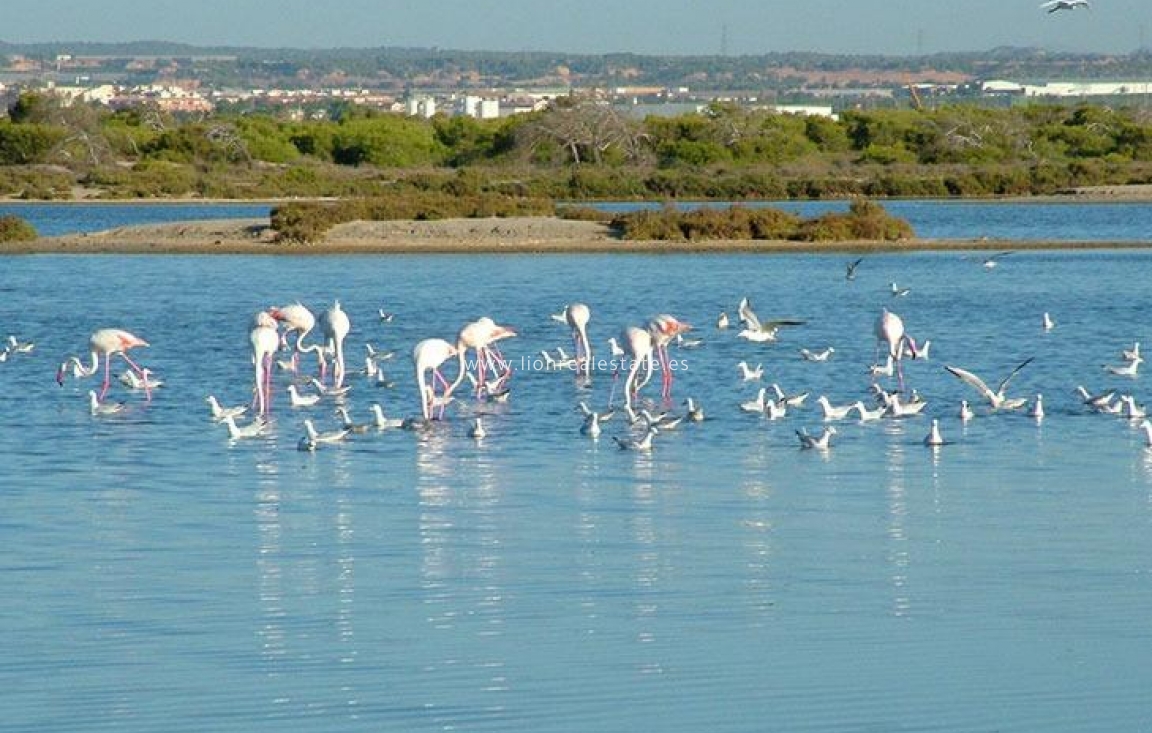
point(851, 269)
point(997, 398)
point(1054, 5)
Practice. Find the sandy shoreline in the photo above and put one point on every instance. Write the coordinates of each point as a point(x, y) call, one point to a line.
point(456, 236)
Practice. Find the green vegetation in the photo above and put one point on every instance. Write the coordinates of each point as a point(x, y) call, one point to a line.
point(863, 221)
point(15, 229)
point(579, 150)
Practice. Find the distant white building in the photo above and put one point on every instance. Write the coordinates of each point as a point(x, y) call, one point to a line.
point(1065, 89)
point(421, 107)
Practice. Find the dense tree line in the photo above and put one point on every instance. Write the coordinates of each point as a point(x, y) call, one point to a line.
point(578, 149)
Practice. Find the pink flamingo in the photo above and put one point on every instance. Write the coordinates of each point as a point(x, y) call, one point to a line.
point(335, 325)
point(428, 356)
point(890, 330)
point(299, 319)
point(638, 345)
point(106, 342)
point(577, 316)
point(265, 340)
point(479, 335)
point(664, 328)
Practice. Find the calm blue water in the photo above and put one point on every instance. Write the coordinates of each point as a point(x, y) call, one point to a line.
point(159, 577)
point(53, 220)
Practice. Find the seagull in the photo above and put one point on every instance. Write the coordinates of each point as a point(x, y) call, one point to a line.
point(867, 415)
point(385, 317)
point(898, 292)
point(934, 439)
point(684, 343)
point(997, 398)
point(831, 412)
point(346, 421)
point(823, 442)
point(591, 426)
point(664, 421)
point(757, 331)
point(722, 321)
point(617, 352)
point(1132, 354)
point(913, 350)
point(588, 412)
point(136, 382)
point(560, 317)
point(251, 430)
point(1095, 401)
point(17, 346)
point(299, 400)
point(749, 374)
point(775, 410)
point(990, 262)
point(1053, 6)
point(898, 408)
point(966, 413)
point(101, 409)
point(384, 423)
point(756, 405)
point(850, 273)
point(695, 412)
point(477, 430)
point(376, 355)
point(330, 391)
point(887, 370)
point(1037, 410)
point(219, 413)
point(334, 436)
point(1047, 322)
point(794, 400)
point(1132, 410)
point(1128, 370)
point(638, 444)
point(824, 355)
point(1147, 428)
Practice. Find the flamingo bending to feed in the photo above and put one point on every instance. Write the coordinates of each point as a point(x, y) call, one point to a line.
point(297, 318)
point(428, 356)
point(890, 330)
point(664, 328)
point(106, 342)
point(264, 340)
point(638, 345)
point(577, 315)
point(479, 335)
point(335, 325)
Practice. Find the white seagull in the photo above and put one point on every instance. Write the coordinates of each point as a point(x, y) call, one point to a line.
point(934, 439)
point(997, 398)
point(591, 426)
point(1147, 428)
point(477, 431)
point(638, 444)
point(966, 412)
point(824, 355)
point(757, 331)
point(867, 415)
point(251, 430)
point(821, 442)
point(749, 374)
point(756, 405)
point(1131, 369)
point(1047, 322)
point(101, 409)
point(219, 413)
point(833, 412)
point(793, 400)
point(1037, 410)
point(301, 400)
point(384, 423)
point(334, 436)
point(695, 412)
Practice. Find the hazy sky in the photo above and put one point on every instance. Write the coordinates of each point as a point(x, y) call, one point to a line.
point(592, 26)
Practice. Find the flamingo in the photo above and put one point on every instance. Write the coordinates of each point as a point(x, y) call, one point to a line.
point(663, 329)
point(428, 356)
point(106, 342)
point(265, 340)
point(297, 318)
point(638, 344)
point(576, 315)
point(335, 325)
point(479, 335)
point(890, 330)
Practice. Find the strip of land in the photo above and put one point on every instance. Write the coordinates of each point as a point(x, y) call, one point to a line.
point(460, 236)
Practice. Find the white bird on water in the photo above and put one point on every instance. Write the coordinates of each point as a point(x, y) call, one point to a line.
point(1131, 354)
point(143, 381)
point(867, 415)
point(934, 439)
point(997, 399)
point(384, 423)
point(775, 409)
point(591, 426)
point(1131, 369)
point(1037, 410)
point(722, 321)
point(301, 400)
point(820, 442)
point(966, 412)
point(100, 409)
point(791, 400)
point(824, 355)
point(238, 432)
point(1147, 428)
point(333, 436)
point(832, 412)
point(1132, 410)
point(897, 291)
point(757, 331)
point(756, 405)
point(477, 431)
point(749, 374)
point(1047, 322)
point(219, 412)
point(695, 412)
point(637, 444)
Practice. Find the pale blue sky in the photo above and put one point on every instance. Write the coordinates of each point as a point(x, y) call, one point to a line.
point(590, 26)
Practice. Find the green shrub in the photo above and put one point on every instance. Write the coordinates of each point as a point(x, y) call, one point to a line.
point(15, 229)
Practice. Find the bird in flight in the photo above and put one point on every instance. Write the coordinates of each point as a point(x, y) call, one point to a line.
point(997, 399)
point(851, 272)
point(1055, 5)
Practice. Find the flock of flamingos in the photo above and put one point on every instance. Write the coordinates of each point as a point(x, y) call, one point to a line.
point(279, 340)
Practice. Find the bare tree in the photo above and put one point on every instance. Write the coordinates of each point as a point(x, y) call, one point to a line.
point(586, 130)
